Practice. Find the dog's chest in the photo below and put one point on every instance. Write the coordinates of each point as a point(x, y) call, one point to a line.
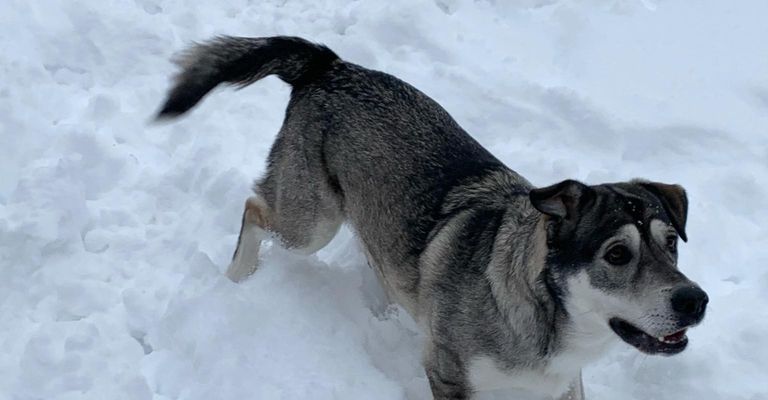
point(485, 374)
point(551, 380)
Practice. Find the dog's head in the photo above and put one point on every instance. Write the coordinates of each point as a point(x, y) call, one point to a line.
point(612, 260)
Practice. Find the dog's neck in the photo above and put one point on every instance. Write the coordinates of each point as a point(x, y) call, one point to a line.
point(518, 269)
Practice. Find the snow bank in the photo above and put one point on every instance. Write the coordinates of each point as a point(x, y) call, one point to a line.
point(114, 233)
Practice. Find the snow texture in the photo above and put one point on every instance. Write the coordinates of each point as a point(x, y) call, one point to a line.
point(114, 232)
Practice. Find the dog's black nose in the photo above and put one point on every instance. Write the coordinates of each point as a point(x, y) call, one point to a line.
point(690, 301)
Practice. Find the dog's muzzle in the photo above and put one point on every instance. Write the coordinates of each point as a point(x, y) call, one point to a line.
point(689, 304)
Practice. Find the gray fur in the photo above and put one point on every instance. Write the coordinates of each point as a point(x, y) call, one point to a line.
point(492, 268)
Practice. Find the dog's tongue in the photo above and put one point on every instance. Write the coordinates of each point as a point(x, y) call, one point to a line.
point(675, 337)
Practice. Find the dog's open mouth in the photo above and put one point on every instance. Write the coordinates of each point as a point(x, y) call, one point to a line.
point(668, 345)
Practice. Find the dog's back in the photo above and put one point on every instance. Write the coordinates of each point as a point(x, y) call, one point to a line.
point(356, 144)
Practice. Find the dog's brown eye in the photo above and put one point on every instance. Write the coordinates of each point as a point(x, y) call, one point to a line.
point(618, 255)
point(672, 243)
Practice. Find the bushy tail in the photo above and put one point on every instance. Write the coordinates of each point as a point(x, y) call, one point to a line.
point(241, 61)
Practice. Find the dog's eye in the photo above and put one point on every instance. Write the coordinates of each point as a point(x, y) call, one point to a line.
point(618, 255)
point(672, 243)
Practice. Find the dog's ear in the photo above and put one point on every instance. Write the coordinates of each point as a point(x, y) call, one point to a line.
point(564, 200)
point(675, 203)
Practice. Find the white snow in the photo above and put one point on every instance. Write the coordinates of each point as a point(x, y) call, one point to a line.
point(114, 233)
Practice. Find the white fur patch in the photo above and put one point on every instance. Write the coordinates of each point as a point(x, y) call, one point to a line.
point(589, 335)
point(485, 374)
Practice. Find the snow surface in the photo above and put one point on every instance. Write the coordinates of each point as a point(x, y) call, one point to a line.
point(114, 233)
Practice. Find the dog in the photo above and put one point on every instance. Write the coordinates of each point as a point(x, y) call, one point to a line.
point(515, 286)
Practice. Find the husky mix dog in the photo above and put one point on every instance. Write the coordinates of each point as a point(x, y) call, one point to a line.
point(515, 286)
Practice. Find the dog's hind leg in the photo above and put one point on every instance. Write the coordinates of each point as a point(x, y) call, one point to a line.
point(252, 231)
point(295, 201)
point(303, 234)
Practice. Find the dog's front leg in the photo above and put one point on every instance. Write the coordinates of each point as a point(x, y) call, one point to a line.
point(446, 373)
point(576, 391)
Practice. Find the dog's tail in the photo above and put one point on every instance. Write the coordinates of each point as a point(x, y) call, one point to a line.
point(241, 61)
